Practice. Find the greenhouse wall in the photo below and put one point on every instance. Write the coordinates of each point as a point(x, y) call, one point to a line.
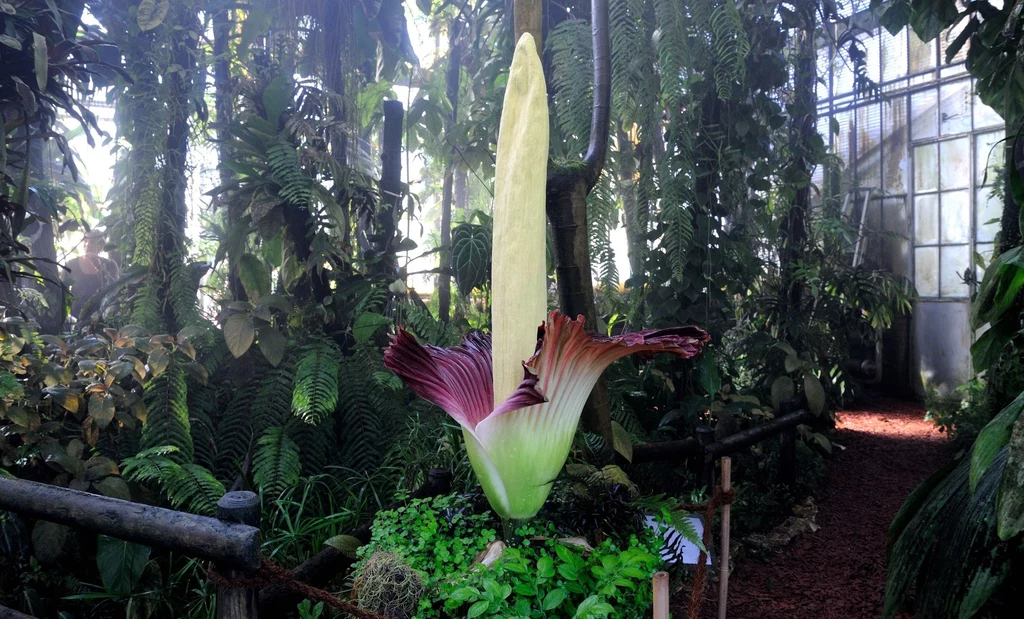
point(921, 154)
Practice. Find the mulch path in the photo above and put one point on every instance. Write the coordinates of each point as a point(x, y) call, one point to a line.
point(839, 571)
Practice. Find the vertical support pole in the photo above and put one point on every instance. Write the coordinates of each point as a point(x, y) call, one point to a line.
point(706, 436)
point(787, 456)
point(661, 597)
point(390, 188)
point(238, 508)
point(723, 574)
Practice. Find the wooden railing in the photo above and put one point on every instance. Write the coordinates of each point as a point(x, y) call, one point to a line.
point(231, 540)
point(704, 450)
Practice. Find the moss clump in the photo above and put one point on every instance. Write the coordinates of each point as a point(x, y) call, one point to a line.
point(387, 585)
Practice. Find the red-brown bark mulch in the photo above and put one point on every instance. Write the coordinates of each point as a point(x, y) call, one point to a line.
point(839, 571)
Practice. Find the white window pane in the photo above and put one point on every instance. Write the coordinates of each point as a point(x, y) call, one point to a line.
point(872, 61)
point(955, 107)
point(956, 217)
point(955, 163)
point(894, 55)
point(926, 271)
point(956, 260)
point(895, 157)
point(984, 116)
point(922, 55)
point(988, 155)
point(989, 210)
point(924, 114)
point(926, 168)
point(926, 219)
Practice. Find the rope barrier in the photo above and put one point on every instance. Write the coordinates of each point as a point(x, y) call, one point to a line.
point(720, 498)
point(271, 573)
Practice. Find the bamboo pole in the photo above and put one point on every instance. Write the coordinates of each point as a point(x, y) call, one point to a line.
point(723, 578)
point(660, 582)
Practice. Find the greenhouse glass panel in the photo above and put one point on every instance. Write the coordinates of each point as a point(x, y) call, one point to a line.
point(924, 114)
point(895, 160)
point(984, 116)
point(955, 163)
point(926, 167)
point(948, 37)
point(922, 55)
point(956, 260)
point(926, 219)
point(872, 57)
point(894, 55)
point(955, 108)
point(988, 157)
point(955, 226)
point(869, 161)
point(989, 210)
point(926, 271)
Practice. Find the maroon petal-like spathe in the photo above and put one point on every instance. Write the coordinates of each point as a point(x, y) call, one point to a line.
point(457, 379)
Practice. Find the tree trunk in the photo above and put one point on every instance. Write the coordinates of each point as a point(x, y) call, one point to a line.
point(529, 17)
point(224, 109)
point(803, 128)
point(444, 279)
point(391, 189)
point(174, 211)
point(567, 211)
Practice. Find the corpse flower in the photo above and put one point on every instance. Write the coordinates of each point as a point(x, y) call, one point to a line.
point(519, 417)
point(518, 447)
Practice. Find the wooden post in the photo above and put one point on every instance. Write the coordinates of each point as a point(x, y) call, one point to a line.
point(723, 561)
point(705, 437)
point(239, 508)
point(660, 582)
point(787, 456)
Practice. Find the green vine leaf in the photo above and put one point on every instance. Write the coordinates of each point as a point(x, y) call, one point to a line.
point(254, 276)
point(815, 393)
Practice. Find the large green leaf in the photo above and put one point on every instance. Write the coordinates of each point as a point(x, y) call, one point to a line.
point(815, 393)
point(367, 324)
point(969, 562)
point(41, 59)
point(710, 379)
point(101, 409)
point(120, 563)
point(783, 388)
point(254, 276)
point(151, 13)
point(239, 333)
point(1010, 505)
point(272, 344)
point(48, 541)
point(471, 256)
point(993, 437)
point(999, 287)
point(277, 97)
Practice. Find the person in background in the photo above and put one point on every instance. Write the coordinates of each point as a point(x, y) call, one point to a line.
point(90, 272)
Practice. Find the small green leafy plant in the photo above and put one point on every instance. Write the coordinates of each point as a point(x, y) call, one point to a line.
point(541, 576)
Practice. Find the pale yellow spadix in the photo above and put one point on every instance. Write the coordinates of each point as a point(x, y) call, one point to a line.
point(519, 258)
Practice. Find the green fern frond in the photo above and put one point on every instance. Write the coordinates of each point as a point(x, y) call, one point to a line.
point(294, 186)
point(185, 486)
point(570, 44)
point(361, 433)
point(731, 47)
point(167, 423)
point(276, 465)
point(234, 432)
point(144, 214)
point(195, 490)
point(603, 219)
point(203, 406)
point(428, 329)
point(273, 403)
point(317, 445)
point(316, 381)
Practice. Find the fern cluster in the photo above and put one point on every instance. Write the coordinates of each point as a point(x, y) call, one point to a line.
point(316, 381)
point(167, 420)
point(294, 186)
point(187, 486)
point(276, 465)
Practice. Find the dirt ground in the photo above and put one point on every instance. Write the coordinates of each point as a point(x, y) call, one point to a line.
point(839, 571)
